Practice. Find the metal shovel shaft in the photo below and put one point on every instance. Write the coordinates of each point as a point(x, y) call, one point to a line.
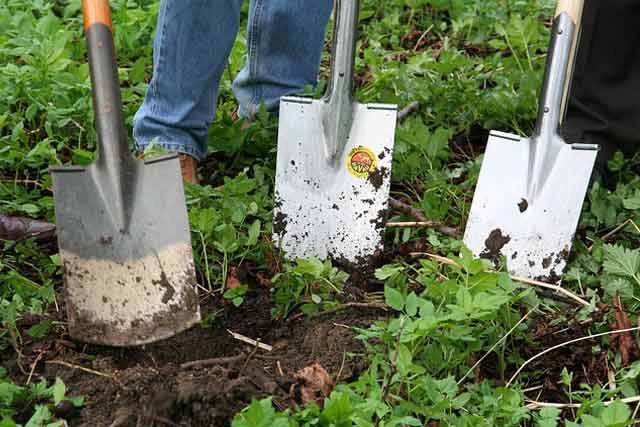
point(545, 143)
point(338, 114)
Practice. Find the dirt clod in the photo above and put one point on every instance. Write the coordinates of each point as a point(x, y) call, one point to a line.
point(523, 205)
point(493, 245)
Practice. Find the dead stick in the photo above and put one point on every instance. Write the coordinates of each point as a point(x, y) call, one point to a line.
point(532, 405)
point(555, 347)
point(80, 368)
point(249, 341)
point(407, 209)
point(249, 357)
point(403, 114)
point(422, 224)
point(471, 369)
point(524, 280)
point(212, 362)
point(417, 214)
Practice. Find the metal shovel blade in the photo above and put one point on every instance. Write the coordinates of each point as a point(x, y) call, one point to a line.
point(332, 207)
point(128, 267)
point(334, 163)
point(535, 236)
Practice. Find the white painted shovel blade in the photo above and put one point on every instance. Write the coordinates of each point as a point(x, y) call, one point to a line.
point(322, 208)
point(535, 236)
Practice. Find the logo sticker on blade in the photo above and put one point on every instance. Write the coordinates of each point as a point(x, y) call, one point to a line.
point(361, 161)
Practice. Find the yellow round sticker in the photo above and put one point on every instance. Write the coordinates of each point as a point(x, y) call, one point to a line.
point(361, 161)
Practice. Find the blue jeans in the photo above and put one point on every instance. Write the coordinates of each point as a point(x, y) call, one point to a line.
point(192, 43)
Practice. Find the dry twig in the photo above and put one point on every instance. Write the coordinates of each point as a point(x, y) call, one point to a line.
point(523, 280)
point(250, 341)
point(212, 362)
point(533, 405)
point(555, 347)
point(80, 368)
point(417, 214)
point(495, 345)
point(410, 109)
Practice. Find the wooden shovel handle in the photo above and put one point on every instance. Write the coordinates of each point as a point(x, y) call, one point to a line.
point(96, 12)
point(573, 8)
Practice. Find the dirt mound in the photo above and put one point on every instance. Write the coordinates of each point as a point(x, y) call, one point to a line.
point(204, 376)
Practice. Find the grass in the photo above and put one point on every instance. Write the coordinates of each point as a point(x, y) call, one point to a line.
point(474, 66)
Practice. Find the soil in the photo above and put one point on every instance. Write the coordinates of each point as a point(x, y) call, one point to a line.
point(493, 245)
point(155, 386)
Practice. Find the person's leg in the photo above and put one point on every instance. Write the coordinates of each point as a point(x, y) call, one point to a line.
point(193, 40)
point(284, 46)
point(604, 106)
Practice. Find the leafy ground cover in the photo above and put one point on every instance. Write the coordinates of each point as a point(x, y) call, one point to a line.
point(429, 337)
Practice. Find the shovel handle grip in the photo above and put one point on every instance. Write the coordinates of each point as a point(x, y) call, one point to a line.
point(113, 148)
point(573, 8)
point(96, 12)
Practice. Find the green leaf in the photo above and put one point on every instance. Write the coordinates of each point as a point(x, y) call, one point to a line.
point(137, 72)
point(632, 203)
point(41, 329)
point(412, 304)
point(40, 418)
point(387, 271)
point(393, 298)
point(337, 410)
point(59, 390)
point(260, 414)
point(404, 360)
point(5, 421)
point(616, 414)
point(591, 421)
point(253, 233)
point(621, 261)
point(312, 266)
point(29, 208)
point(549, 417)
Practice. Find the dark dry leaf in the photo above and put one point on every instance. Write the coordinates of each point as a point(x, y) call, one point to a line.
point(232, 278)
point(17, 228)
point(313, 384)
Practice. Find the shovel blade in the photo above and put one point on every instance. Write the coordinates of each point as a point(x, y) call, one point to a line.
point(332, 207)
point(126, 252)
point(535, 236)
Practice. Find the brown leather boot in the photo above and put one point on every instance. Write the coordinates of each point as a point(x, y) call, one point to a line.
point(189, 167)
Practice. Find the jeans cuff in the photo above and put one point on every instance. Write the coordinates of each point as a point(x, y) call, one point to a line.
point(175, 147)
